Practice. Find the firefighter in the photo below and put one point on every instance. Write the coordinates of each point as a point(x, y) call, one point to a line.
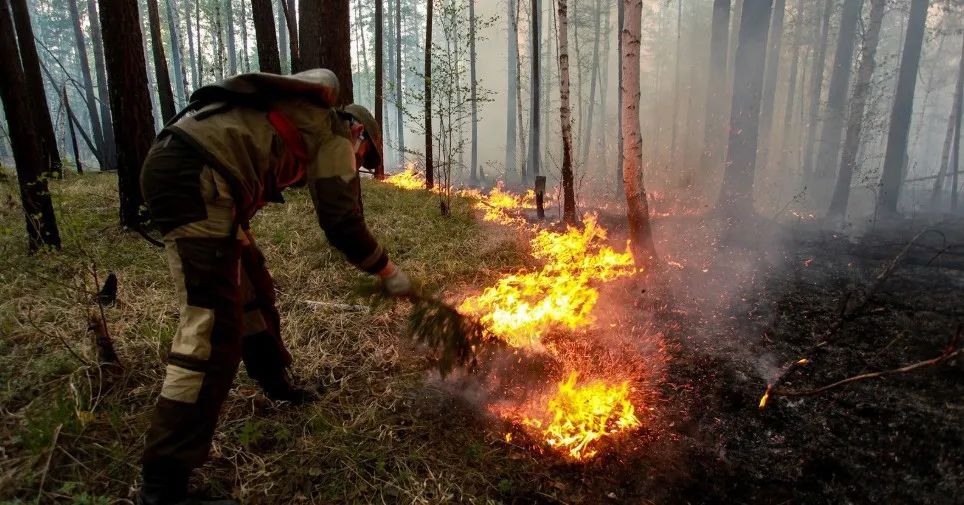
point(239, 143)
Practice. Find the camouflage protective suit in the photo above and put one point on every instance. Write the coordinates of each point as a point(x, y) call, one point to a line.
point(209, 171)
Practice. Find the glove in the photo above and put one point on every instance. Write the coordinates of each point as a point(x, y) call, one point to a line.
point(397, 283)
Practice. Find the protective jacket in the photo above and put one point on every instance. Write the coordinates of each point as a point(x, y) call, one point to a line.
point(260, 144)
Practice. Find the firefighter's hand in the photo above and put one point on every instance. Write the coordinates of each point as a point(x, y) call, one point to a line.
point(394, 281)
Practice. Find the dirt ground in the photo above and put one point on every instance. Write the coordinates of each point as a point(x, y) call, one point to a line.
point(731, 310)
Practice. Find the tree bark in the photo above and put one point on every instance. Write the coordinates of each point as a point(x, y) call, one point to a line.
point(512, 40)
point(399, 100)
point(284, 60)
point(535, 149)
point(715, 95)
point(594, 77)
point(771, 75)
point(35, 89)
point(816, 89)
point(736, 193)
point(637, 205)
point(129, 100)
point(81, 45)
point(294, 40)
point(109, 149)
point(73, 133)
point(429, 168)
point(200, 48)
point(326, 40)
point(190, 44)
point(474, 158)
point(177, 60)
point(828, 154)
point(267, 42)
point(244, 38)
point(952, 126)
point(379, 77)
point(565, 117)
point(621, 158)
point(894, 160)
point(164, 93)
point(232, 48)
point(858, 102)
point(28, 150)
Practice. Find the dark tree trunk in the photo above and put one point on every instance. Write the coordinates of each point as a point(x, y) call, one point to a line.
point(620, 20)
point(399, 118)
point(512, 39)
point(28, 150)
point(836, 114)
point(894, 160)
point(109, 151)
point(429, 169)
point(816, 88)
point(535, 147)
point(165, 95)
point(177, 60)
point(772, 74)
point(379, 73)
point(95, 126)
point(474, 159)
point(129, 100)
point(73, 132)
point(335, 45)
point(35, 89)
point(282, 27)
point(715, 94)
point(848, 161)
point(294, 39)
point(736, 194)
point(268, 60)
point(192, 55)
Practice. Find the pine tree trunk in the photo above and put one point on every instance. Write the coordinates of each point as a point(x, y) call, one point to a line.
point(35, 89)
point(284, 60)
point(195, 83)
point(894, 160)
point(736, 193)
point(771, 75)
point(828, 154)
point(28, 150)
point(81, 45)
point(149, 73)
point(109, 149)
point(715, 95)
point(594, 78)
point(858, 102)
point(200, 48)
point(399, 100)
point(228, 27)
point(268, 60)
point(294, 40)
point(792, 84)
point(637, 205)
point(938, 191)
point(326, 40)
point(676, 83)
point(177, 64)
point(429, 168)
point(73, 133)
point(129, 100)
point(535, 150)
point(621, 157)
point(512, 40)
point(217, 41)
point(379, 75)
point(816, 89)
point(474, 159)
point(164, 93)
point(565, 116)
point(244, 38)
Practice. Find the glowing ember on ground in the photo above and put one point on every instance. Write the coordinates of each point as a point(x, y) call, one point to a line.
point(521, 307)
point(407, 179)
point(579, 415)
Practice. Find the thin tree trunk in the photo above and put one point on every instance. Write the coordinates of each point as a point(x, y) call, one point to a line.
point(518, 99)
point(429, 168)
point(379, 73)
point(149, 74)
point(828, 154)
point(594, 77)
point(200, 48)
point(28, 151)
point(285, 56)
point(95, 125)
point(165, 95)
point(35, 89)
point(565, 116)
point(892, 177)
point(217, 40)
point(816, 89)
point(474, 158)
point(294, 39)
point(512, 42)
point(848, 161)
point(637, 205)
point(535, 151)
point(180, 85)
point(715, 94)
point(399, 100)
point(361, 54)
point(109, 150)
point(772, 74)
point(73, 133)
point(936, 203)
point(676, 82)
point(246, 61)
point(129, 100)
point(792, 84)
point(190, 44)
point(736, 194)
point(264, 31)
point(232, 47)
point(621, 156)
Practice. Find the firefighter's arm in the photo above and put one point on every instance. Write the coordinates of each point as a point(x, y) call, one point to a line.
point(339, 213)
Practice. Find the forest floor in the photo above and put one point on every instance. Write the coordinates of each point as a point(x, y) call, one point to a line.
point(731, 311)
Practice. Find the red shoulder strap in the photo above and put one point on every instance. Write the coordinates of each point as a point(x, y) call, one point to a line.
point(289, 134)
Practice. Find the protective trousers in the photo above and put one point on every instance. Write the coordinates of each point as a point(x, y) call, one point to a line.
point(227, 314)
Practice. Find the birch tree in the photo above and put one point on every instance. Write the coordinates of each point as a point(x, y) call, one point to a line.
point(565, 116)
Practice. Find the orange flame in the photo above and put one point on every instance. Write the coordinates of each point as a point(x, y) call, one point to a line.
point(521, 307)
point(407, 179)
point(578, 416)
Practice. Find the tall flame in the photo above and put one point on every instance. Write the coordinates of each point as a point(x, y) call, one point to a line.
point(521, 307)
point(578, 416)
point(407, 179)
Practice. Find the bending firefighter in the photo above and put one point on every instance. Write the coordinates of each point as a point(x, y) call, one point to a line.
point(235, 148)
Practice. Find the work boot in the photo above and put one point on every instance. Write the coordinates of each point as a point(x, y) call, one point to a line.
point(279, 389)
point(164, 484)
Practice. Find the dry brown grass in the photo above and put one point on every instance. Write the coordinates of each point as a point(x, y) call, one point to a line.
point(379, 435)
